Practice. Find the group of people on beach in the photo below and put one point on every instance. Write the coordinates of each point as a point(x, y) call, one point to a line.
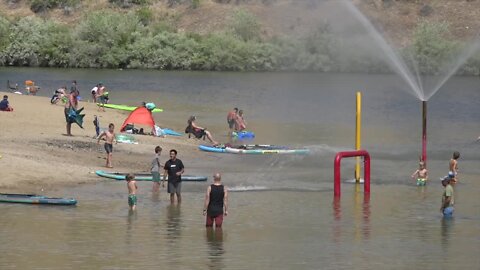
point(421, 176)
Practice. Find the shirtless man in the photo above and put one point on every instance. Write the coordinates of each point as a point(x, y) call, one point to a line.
point(231, 118)
point(109, 138)
point(71, 103)
point(101, 97)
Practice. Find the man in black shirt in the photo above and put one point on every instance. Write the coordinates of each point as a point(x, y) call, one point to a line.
point(174, 169)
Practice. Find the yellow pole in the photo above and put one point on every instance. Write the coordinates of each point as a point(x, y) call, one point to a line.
point(358, 132)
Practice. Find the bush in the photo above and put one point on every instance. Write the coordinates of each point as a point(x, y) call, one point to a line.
point(245, 25)
point(430, 48)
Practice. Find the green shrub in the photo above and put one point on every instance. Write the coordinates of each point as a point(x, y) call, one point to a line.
point(431, 47)
point(145, 15)
point(245, 25)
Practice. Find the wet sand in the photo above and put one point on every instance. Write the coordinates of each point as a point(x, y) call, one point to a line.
point(36, 154)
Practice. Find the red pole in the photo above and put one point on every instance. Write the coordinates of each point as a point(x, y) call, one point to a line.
point(424, 132)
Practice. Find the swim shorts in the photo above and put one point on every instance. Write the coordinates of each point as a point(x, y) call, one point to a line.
point(132, 199)
point(448, 212)
point(102, 99)
point(174, 188)
point(421, 182)
point(231, 123)
point(218, 221)
point(108, 148)
point(199, 133)
point(156, 177)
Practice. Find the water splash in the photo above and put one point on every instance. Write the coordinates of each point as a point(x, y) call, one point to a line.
point(394, 59)
point(419, 86)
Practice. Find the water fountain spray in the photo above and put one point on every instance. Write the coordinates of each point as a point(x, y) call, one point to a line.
point(424, 132)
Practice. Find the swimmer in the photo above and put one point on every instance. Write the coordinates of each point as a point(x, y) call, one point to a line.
point(421, 174)
point(453, 166)
point(132, 191)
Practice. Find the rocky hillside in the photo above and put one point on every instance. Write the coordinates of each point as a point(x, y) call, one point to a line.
point(397, 18)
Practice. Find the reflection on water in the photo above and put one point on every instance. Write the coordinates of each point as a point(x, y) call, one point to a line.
point(173, 222)
point(216, 250)
point(361, 216)
point(447, 228)
point(131, 218)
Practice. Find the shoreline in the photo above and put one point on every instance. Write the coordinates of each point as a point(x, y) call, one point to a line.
point(36, 155)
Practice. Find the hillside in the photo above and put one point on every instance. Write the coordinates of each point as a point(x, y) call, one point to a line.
point(397, 18)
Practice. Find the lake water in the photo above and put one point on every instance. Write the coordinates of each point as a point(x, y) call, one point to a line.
point(282, 211)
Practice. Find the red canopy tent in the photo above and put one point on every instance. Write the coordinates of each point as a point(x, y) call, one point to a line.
point(140, 116)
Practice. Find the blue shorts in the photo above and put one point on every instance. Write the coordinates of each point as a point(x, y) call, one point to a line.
point(448, 212)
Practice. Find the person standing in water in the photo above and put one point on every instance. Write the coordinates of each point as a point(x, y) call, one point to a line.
point(155, 169)
point(216, 200)
point(421, 174)
point(447, 197)
point(174, 169)
point(132, 191)
point(453, 166)
point(231, 118)
point(109, 138)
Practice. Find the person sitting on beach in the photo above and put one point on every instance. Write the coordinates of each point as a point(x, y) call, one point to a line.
point(5, 105)
point(421, 174)
point(109, 138)
point(132, 191)
point(240, 123)
point(198, 131)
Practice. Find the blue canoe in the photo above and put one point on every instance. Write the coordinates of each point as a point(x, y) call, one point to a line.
point(146, 176)
point(35, 199)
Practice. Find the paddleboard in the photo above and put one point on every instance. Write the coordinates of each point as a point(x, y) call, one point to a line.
point(171, 132)
point(35, 199)
point(125, 107)
point(123, 138)
point(146, 176)
point(261, 149)
point(215, 149)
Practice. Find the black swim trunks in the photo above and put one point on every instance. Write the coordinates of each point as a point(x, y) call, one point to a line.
point(231, 123)
point(108, 148)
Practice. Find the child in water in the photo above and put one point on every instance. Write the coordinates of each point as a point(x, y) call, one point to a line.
point(453, 166)
point(421, 174)
point(132, 191)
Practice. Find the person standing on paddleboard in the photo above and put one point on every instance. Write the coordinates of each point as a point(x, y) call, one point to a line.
point(174, 169)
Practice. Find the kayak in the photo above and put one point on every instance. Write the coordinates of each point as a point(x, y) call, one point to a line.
point(125, 107)
point(145, 176)
point(35, 199)
point(260, 149)
point(214, 149)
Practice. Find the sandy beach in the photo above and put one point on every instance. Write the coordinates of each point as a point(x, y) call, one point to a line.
point(36, 155)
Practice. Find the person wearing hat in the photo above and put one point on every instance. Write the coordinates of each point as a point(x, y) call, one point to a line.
point(447, 197)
